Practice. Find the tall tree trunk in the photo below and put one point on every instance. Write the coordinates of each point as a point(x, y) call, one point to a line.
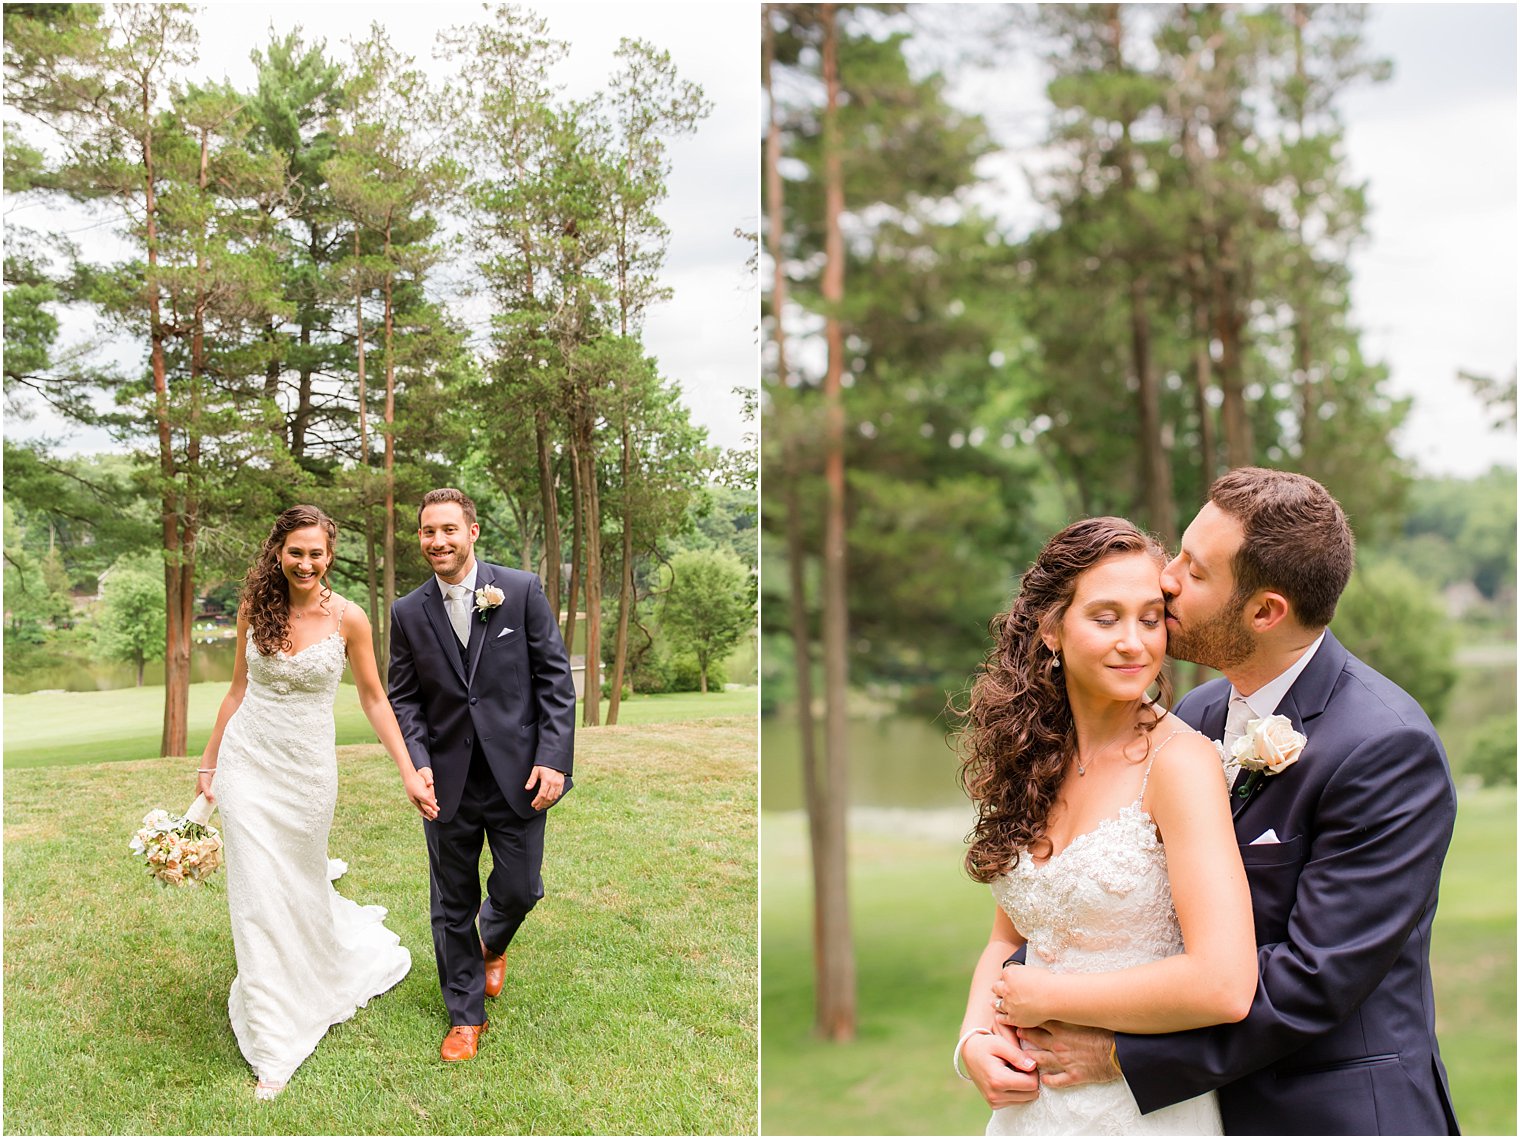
point(1229, 327)
point(1303, 352)
point(366, 504)
point(836, 953)
point(1203, 381)
point(553, 555)
point(592, 520)
point(1160, 503)
point(173, 741)
point(625, 588)
point(796, 549)
point(577, 522)
point(388, 544)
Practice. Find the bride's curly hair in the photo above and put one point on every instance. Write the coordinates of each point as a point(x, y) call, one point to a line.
point(1017, 732)
point(266, 593)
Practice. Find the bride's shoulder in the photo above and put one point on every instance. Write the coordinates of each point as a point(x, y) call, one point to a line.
point(1185, 749)
point(348, 613)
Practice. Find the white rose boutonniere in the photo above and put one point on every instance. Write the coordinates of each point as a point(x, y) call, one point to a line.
point(1269, 747)
point(488, 597)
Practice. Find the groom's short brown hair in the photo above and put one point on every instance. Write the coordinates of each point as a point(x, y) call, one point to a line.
point(447, 494)
point(1297, 540)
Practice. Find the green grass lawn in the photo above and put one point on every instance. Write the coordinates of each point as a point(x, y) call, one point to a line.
point(631, 998)
point(48, 729)
point(919, 925)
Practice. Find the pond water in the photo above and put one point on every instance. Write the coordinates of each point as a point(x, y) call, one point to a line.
point(895, 761)
point(907, 762)
point(79, 672)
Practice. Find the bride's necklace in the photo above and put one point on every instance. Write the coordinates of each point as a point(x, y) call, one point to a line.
point(1082, 767)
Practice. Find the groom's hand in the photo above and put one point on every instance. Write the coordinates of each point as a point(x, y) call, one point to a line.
point(1003, 1073)
point(1071, 1054)
point(419, 789)
point(551, 785)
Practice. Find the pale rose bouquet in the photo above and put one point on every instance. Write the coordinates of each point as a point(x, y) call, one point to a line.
point(179, 850)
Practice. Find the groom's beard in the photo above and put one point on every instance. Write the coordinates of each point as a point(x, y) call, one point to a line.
point(1221, 642)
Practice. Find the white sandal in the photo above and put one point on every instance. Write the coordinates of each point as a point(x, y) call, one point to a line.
point(266, 1089)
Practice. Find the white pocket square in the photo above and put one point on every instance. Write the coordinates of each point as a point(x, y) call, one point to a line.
point(503, 633)
point(1266, 838)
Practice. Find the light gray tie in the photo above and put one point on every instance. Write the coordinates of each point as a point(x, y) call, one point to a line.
point(459, 612)
point(1240, 715)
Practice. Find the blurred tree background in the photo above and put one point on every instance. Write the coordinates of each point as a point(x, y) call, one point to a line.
point(942, 390)
point(347, 284)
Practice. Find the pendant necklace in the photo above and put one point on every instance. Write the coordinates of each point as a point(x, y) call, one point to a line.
point(1082, 767)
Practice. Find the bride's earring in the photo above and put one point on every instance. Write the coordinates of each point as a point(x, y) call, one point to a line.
point(1055, 662)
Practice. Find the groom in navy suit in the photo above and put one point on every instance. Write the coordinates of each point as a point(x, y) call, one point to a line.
point(1343, 849)
point(481, 686)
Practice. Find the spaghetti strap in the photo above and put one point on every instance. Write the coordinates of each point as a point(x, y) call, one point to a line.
point(1175, 733)
point(345, 610)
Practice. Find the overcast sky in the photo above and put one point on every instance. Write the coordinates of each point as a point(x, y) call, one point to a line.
point(1434, 288)
point(704, 337)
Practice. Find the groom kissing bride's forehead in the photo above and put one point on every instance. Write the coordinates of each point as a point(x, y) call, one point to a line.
point(1343, 850)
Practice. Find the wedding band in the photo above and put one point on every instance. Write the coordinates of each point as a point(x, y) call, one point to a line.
point(998, 1004)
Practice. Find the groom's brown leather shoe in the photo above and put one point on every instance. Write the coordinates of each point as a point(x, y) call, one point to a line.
point(462, 1042)
point(496, 970)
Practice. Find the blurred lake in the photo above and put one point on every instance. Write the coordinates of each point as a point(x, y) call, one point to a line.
point(80, 672)
point(895, 761)
point(901, 761)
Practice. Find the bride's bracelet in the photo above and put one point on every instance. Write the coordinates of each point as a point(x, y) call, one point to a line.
point(960, 1044)
point(205, 771)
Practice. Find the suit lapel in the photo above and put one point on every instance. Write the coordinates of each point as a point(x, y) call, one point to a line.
point(1303, 704)
point(443, 628)
point(478, 628)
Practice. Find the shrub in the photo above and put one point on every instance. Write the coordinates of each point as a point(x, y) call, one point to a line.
point(1492, 757)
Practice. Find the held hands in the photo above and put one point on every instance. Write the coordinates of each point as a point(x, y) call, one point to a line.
point(1001, 1071)
point(1071, 1054)
point(551, 785)
point(419, 789)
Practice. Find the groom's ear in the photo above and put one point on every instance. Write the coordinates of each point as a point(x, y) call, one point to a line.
point(1266, 610)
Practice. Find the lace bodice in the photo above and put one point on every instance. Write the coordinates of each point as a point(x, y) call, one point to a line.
point(1103, 903)
point(314, 670)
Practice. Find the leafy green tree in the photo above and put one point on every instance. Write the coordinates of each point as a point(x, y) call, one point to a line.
point(1492, 758)
point(131, 622)
point(36, 586)
point(706, 610)
point(1392, 620)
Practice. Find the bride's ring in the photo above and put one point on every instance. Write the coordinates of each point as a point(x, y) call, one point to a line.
point(998, 1004)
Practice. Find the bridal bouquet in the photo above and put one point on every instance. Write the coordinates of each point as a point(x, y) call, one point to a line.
point(179, 850)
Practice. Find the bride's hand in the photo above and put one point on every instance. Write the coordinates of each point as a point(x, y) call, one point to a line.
point(203, 785)
point(1020, 996)
point(1000, 1070)
point(419, 789)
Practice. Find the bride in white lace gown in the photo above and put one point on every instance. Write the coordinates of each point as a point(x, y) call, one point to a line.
point(1103, 828)
point(307, 957)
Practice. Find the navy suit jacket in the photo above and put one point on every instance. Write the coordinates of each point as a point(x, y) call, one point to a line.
point(515, 695)
point(1341, 1035)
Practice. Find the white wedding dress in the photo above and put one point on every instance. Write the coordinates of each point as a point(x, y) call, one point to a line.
point(307, 957)
point(1103, 903)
